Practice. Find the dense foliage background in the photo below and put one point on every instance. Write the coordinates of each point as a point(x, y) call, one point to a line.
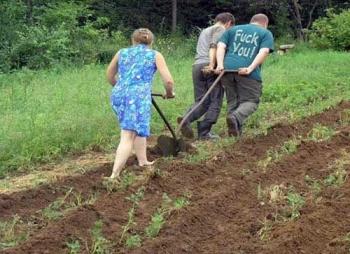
point(38, 33)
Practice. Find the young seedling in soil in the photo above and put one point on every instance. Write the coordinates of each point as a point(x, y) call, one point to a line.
point(204, 151)
point(135, 198)
point(54, 210)
point(290, 146)
point(339, 173)
point(73, 247)
point(280, 196)
point(10, 233)
point(112, 185)
point(345, 117)
point(274, 193)
point(100, 245)
point(265, 230)
point(131, 223)
point(320, 133)
point(157, 222)
point(314, 185)
point(295, 202)
point(275, 155)
point(337, 178)
point(70, 201)
point(133, 241)
point(159, 217)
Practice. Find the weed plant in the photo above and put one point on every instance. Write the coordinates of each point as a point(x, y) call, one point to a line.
point(320, 133)
point(10, 236)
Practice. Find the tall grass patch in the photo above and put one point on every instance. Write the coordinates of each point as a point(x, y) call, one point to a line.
point(46, 114)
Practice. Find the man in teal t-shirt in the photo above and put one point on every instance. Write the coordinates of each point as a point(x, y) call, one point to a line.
point(243, 48)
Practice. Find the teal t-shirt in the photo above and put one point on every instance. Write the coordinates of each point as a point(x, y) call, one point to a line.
point(243, 43)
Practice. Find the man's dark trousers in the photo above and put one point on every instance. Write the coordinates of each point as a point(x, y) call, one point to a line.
point(211, 106)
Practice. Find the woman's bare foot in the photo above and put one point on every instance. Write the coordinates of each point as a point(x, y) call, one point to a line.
point(146, 163)
point(115, 175)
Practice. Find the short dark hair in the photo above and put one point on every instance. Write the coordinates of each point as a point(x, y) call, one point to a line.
point(225, 17)
point(259, 18)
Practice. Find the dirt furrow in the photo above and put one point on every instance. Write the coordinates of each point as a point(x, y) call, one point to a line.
point(24, 203)
point(226, 217)
point(214, 186)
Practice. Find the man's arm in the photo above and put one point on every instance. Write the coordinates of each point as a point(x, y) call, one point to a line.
point(217, 33)
point(258, 60)
point(212, 57)
point(220, 54)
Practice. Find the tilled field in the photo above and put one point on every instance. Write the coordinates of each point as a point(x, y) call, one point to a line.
point(286, 192)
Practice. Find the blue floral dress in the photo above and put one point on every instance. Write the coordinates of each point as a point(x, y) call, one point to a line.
point(131, 95)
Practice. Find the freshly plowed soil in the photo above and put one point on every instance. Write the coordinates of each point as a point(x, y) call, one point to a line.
point(225, 214)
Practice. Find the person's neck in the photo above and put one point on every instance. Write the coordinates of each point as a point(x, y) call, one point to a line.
point(220, 24)
point(258, 24)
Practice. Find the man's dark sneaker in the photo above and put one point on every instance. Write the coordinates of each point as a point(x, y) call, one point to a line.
point(209, 136)
point(234, 130)
point(186, 129)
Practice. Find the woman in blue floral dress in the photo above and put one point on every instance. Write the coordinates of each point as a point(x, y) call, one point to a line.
point(131, 95)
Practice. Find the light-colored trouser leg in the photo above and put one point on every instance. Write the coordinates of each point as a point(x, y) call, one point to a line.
point(244, 110)
point(123, 152)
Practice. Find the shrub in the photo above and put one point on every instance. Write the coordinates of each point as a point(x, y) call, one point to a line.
point(332, 31)
point(61, 32)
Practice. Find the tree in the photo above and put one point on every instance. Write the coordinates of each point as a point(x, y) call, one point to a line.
point(295, 10)
point(174, 16)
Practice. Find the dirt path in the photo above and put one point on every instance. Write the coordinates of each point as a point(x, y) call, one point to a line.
point(224, 215)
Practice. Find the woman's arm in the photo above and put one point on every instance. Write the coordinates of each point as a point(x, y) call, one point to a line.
point(112, 70)
point(166, 76)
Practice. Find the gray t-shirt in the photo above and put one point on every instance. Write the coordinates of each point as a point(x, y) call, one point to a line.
point(208, 38)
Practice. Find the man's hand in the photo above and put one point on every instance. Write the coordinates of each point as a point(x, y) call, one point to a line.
point(245, 71)
point(206, 70)
point(219, 69)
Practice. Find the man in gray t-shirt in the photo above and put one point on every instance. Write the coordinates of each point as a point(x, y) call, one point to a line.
point(206, 59)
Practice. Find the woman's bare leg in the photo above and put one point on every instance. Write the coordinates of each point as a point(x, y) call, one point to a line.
point(123, 152)
point(140, 146)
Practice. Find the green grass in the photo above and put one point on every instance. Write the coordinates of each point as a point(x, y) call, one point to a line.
point(47, 114)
